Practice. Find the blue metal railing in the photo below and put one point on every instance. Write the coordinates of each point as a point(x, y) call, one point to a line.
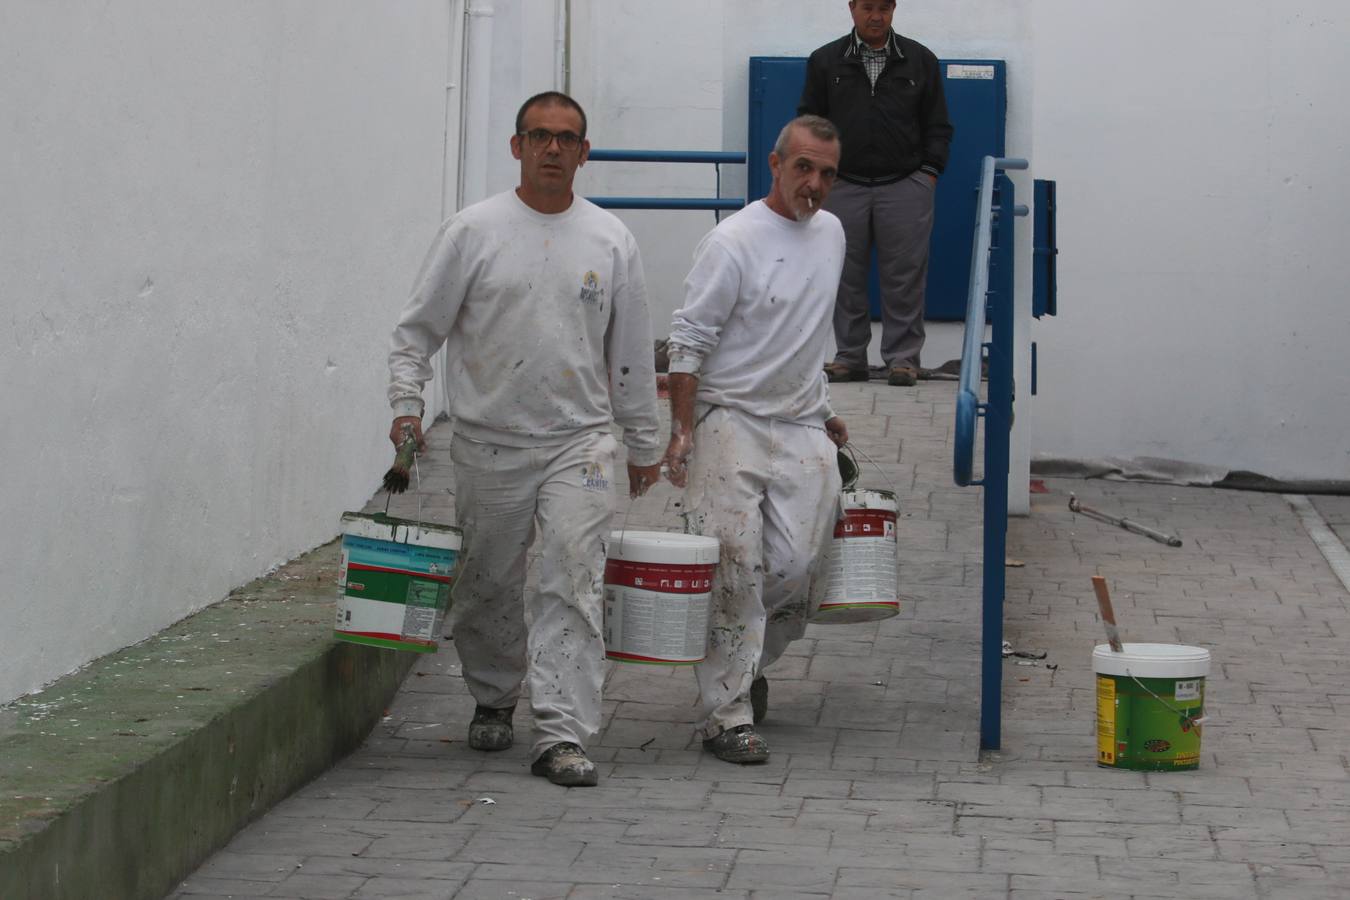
point(717, 158)
point(991, 245)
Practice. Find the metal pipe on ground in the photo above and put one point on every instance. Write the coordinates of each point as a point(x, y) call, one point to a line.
point(1170, 540)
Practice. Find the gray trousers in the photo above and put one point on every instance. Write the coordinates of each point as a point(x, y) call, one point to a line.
point(560, 498)
point(898, 218)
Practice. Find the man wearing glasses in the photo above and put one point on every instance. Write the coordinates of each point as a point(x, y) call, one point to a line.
point(539, 298)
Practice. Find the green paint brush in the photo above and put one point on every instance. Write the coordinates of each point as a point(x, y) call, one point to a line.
point(396, 479)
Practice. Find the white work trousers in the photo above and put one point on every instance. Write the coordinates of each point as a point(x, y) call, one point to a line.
point(768, 490)
point(504, 497)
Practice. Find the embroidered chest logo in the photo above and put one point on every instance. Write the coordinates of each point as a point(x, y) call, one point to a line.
point(593, 477)
point(591, 291)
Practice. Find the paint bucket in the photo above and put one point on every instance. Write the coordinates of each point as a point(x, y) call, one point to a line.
point(394, 583)
point(657, 586)
point(1150, 706)
point(860, 563)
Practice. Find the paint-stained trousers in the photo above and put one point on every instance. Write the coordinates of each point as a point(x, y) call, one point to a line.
point(898, 218)
point(768, 490)
point(505, 497)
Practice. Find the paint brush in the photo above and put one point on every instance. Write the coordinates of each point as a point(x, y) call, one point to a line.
point(396, 479)
point(1108, 615)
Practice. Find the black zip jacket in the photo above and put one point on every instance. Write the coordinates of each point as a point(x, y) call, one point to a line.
point(889, 131)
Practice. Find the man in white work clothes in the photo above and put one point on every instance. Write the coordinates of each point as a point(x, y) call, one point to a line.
point(539, 298)
point(752, 433)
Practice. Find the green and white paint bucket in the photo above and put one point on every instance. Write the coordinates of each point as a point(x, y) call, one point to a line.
point(860, 562)
point(1150, 706)
point(394, 583)
point(657, 588)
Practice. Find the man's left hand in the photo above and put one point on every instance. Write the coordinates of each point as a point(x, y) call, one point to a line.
point(837, 431)
point(642, 477)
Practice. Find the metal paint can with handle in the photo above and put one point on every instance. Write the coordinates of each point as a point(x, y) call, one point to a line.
point(860, 566)
point(394, 581)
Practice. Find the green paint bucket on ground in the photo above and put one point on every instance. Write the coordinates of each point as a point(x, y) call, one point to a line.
point(394, 581)
point(1150, 706)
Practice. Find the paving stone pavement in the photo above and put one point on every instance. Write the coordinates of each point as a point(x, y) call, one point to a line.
point(877, 787)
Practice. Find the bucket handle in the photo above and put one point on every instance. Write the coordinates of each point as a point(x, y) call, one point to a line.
point(884, 477)
point(417, 478)
point(1192, 721)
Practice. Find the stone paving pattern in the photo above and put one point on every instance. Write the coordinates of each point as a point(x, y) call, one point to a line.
point(877, 787)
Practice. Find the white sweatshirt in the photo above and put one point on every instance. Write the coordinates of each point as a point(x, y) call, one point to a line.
point(546, 325)
point(758, 303)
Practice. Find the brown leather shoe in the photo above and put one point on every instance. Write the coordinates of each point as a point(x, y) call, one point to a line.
point(902, 376)
point(840, 372)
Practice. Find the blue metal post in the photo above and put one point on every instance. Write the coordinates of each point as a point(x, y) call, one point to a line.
point(997, 425)
point(991, 298)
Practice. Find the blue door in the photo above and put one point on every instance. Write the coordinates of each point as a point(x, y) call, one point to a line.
point(977, 104)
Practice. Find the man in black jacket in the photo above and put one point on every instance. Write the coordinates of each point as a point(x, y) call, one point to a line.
point(883, 92)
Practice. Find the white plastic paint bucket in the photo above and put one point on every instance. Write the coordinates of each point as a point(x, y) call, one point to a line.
point(394, 581)
point(860, 564)
point(657, 586)
point(1150, 706)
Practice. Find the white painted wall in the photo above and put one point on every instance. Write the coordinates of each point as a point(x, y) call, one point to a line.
point(212, 213)
point(1200, 151)
point(650, 77)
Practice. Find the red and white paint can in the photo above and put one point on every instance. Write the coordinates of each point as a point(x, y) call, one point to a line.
point(860, 580)
point(657, 587)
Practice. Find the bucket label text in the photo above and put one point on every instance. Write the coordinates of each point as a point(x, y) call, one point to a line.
point(1188, 690)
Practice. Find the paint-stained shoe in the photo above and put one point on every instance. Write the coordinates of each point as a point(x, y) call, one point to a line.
point(903, 376)
point(565, 764)
point(741, 744)
point(841, 372)
point(759, 698)
point(491, 728)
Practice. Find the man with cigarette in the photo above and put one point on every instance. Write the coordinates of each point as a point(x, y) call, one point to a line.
point(753, 438)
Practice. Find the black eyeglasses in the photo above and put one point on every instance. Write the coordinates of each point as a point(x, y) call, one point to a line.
point(540, 138)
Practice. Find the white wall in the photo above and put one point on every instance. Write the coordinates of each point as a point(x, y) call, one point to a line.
point(212, 213)
point(650, 77)
point(1200, 150)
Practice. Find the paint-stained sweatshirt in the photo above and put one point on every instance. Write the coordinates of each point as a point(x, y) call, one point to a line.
point(546, 326)
point(758, 303)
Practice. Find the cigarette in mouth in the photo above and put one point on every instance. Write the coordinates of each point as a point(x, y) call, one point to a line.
point(810, 204)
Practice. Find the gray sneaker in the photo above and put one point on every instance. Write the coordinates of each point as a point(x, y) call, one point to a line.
point(491, 728)
point(741, 744)
point(759, 698)
point(565, 764)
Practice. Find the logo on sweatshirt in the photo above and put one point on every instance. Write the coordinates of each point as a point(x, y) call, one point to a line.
point(591, 292)
point(593, 477)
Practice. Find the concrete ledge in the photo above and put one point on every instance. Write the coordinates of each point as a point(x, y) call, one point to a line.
point(121, 778)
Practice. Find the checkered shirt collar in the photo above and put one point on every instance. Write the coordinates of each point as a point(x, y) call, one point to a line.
point(858, 45)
